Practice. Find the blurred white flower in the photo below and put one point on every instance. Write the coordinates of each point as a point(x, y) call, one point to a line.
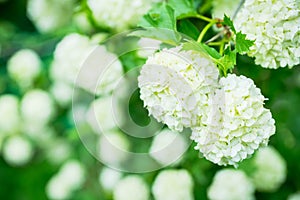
point(221, 7)
point(295, 196)
point(175, 86)
point(9, 114)
point(173, 185)
point(237, 123)
point(24, 67)
point(126, 13)
point(69, 178)
point(167, 147)
point(109, 178)
point(104, 114)
point(82, 22)
point(275, 31)
point(50, 15)
point(147, 47)
point(17, 151)
point(37, 107)
point(62, 93)
point(131, 187)
point(113, 148)
point(270, 170)
point(57, 151)
point(229, 184)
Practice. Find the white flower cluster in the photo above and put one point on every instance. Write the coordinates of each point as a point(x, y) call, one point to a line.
point(24, 67)
point(275, 31)
point(173, 185)
point(69, 178)
point(237, 123)
point(167, 147)
point(109, 178)
point(125, 13)
point(270, 170)
point(50, 15)
point(175, 85)
point(229, 184)
point(131, 187)
point(221, 7)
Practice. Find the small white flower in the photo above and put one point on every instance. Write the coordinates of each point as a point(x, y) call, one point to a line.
point(62, 93)
point(167, 147)
point(275, 31)
point(173, 185)
point(17, 151)
point(50, 15)
point(229, 184)
point(221, 7)
point(126, 13)
point(175, 86)
point(69, 178)
point(295, 196)
point(24, 67)
point(270, 170)
point(9, 114)
point(237, 123)
point(104, 114)
point(131, 187)
point(37, 107)
point(113, 148)
point(109, 178)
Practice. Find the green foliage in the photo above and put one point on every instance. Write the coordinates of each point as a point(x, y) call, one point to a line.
point(242, 44)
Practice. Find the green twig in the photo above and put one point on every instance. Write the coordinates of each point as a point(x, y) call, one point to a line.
point(205, 29)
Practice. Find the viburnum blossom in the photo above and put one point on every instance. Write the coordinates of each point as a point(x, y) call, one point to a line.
point(237, 122)
point(175, 85)
point(275, 31)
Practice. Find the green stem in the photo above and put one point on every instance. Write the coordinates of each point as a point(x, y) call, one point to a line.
point(205, 29)
point(198, 16)
point(222, 45)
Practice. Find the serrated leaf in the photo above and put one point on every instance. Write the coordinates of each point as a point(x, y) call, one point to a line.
point(242, 44)
point(202, 48)
point(182, 7)
point(186, 27)
point(228, 22)
point(160, 16)
point(227, 61)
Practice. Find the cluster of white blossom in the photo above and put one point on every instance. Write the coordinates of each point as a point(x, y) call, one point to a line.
point(131, 187)
point(167, 147)
point(173, 185)
point(50, 15)
point(270, 170)
point(229, 184)
point(69, 178)
point(275, 31)
point(24, 67)
point(175, 85)
point(237, 123)
point(126, 13)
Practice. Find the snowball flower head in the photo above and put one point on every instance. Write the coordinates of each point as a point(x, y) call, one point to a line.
point(24, 66)
point(69, 55)
point(131, 187)
point(17, 151)
point(167, 147)
point(221, 7)
point(125, 13)
point(173, 185)
point(275, 31)
point(270, 170)
point(113, 148)
point(37, 107)
point(50, 15)
point(237, 124)
point(108, 178)
point(69, 178)
point(9, 114)
point(175, 86)
point(229, 184)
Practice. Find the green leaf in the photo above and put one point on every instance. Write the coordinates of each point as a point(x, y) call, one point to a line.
point(202, 48)
point(228, 61)
point(242, 44)
point(228, 22)
point(182, 7)
point(185, 26)
point(160, 16)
